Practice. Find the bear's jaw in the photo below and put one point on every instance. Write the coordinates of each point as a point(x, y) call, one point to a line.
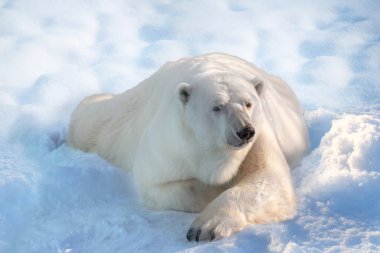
point(236, 145)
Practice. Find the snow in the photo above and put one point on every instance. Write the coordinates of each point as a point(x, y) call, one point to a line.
point(53, 53)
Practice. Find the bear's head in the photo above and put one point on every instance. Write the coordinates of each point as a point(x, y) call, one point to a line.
point(222, 110)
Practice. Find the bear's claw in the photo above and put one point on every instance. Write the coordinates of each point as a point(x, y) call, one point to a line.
point(198, 234)
point(212, 236)
point(197, 238)
point(189, 235)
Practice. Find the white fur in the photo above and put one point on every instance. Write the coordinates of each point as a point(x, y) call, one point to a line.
point(181, 150)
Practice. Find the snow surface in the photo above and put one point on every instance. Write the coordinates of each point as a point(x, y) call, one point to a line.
point(53, 53)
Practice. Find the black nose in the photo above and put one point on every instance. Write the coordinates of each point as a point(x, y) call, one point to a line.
point(246, 133)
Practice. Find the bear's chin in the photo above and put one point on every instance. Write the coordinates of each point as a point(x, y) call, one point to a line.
point(237, 146)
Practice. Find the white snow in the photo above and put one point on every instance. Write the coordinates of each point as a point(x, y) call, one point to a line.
point(53, 53)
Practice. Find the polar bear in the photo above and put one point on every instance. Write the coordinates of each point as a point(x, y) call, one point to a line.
point(211, 134)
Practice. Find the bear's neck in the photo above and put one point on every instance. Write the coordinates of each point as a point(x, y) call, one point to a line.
point(217, 166)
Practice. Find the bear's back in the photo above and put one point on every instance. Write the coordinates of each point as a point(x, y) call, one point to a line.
point(112, 125)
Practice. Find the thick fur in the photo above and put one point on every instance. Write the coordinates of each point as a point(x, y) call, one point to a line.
point(177, 131)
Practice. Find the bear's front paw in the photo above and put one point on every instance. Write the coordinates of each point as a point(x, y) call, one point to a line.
point(210, 226)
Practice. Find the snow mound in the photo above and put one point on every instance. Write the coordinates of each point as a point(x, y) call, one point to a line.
point(346, 156)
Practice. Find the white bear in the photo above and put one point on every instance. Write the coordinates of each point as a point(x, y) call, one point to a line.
point(211, 134)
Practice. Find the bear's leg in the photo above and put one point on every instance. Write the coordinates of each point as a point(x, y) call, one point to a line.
point(186, 195)
point(262, 192)
point(257, 202)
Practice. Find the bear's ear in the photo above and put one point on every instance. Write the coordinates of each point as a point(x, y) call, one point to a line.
point(260, 85)
point(184, 90)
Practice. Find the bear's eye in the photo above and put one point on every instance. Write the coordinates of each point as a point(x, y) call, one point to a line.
point(216, 108)
point(248, 105)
